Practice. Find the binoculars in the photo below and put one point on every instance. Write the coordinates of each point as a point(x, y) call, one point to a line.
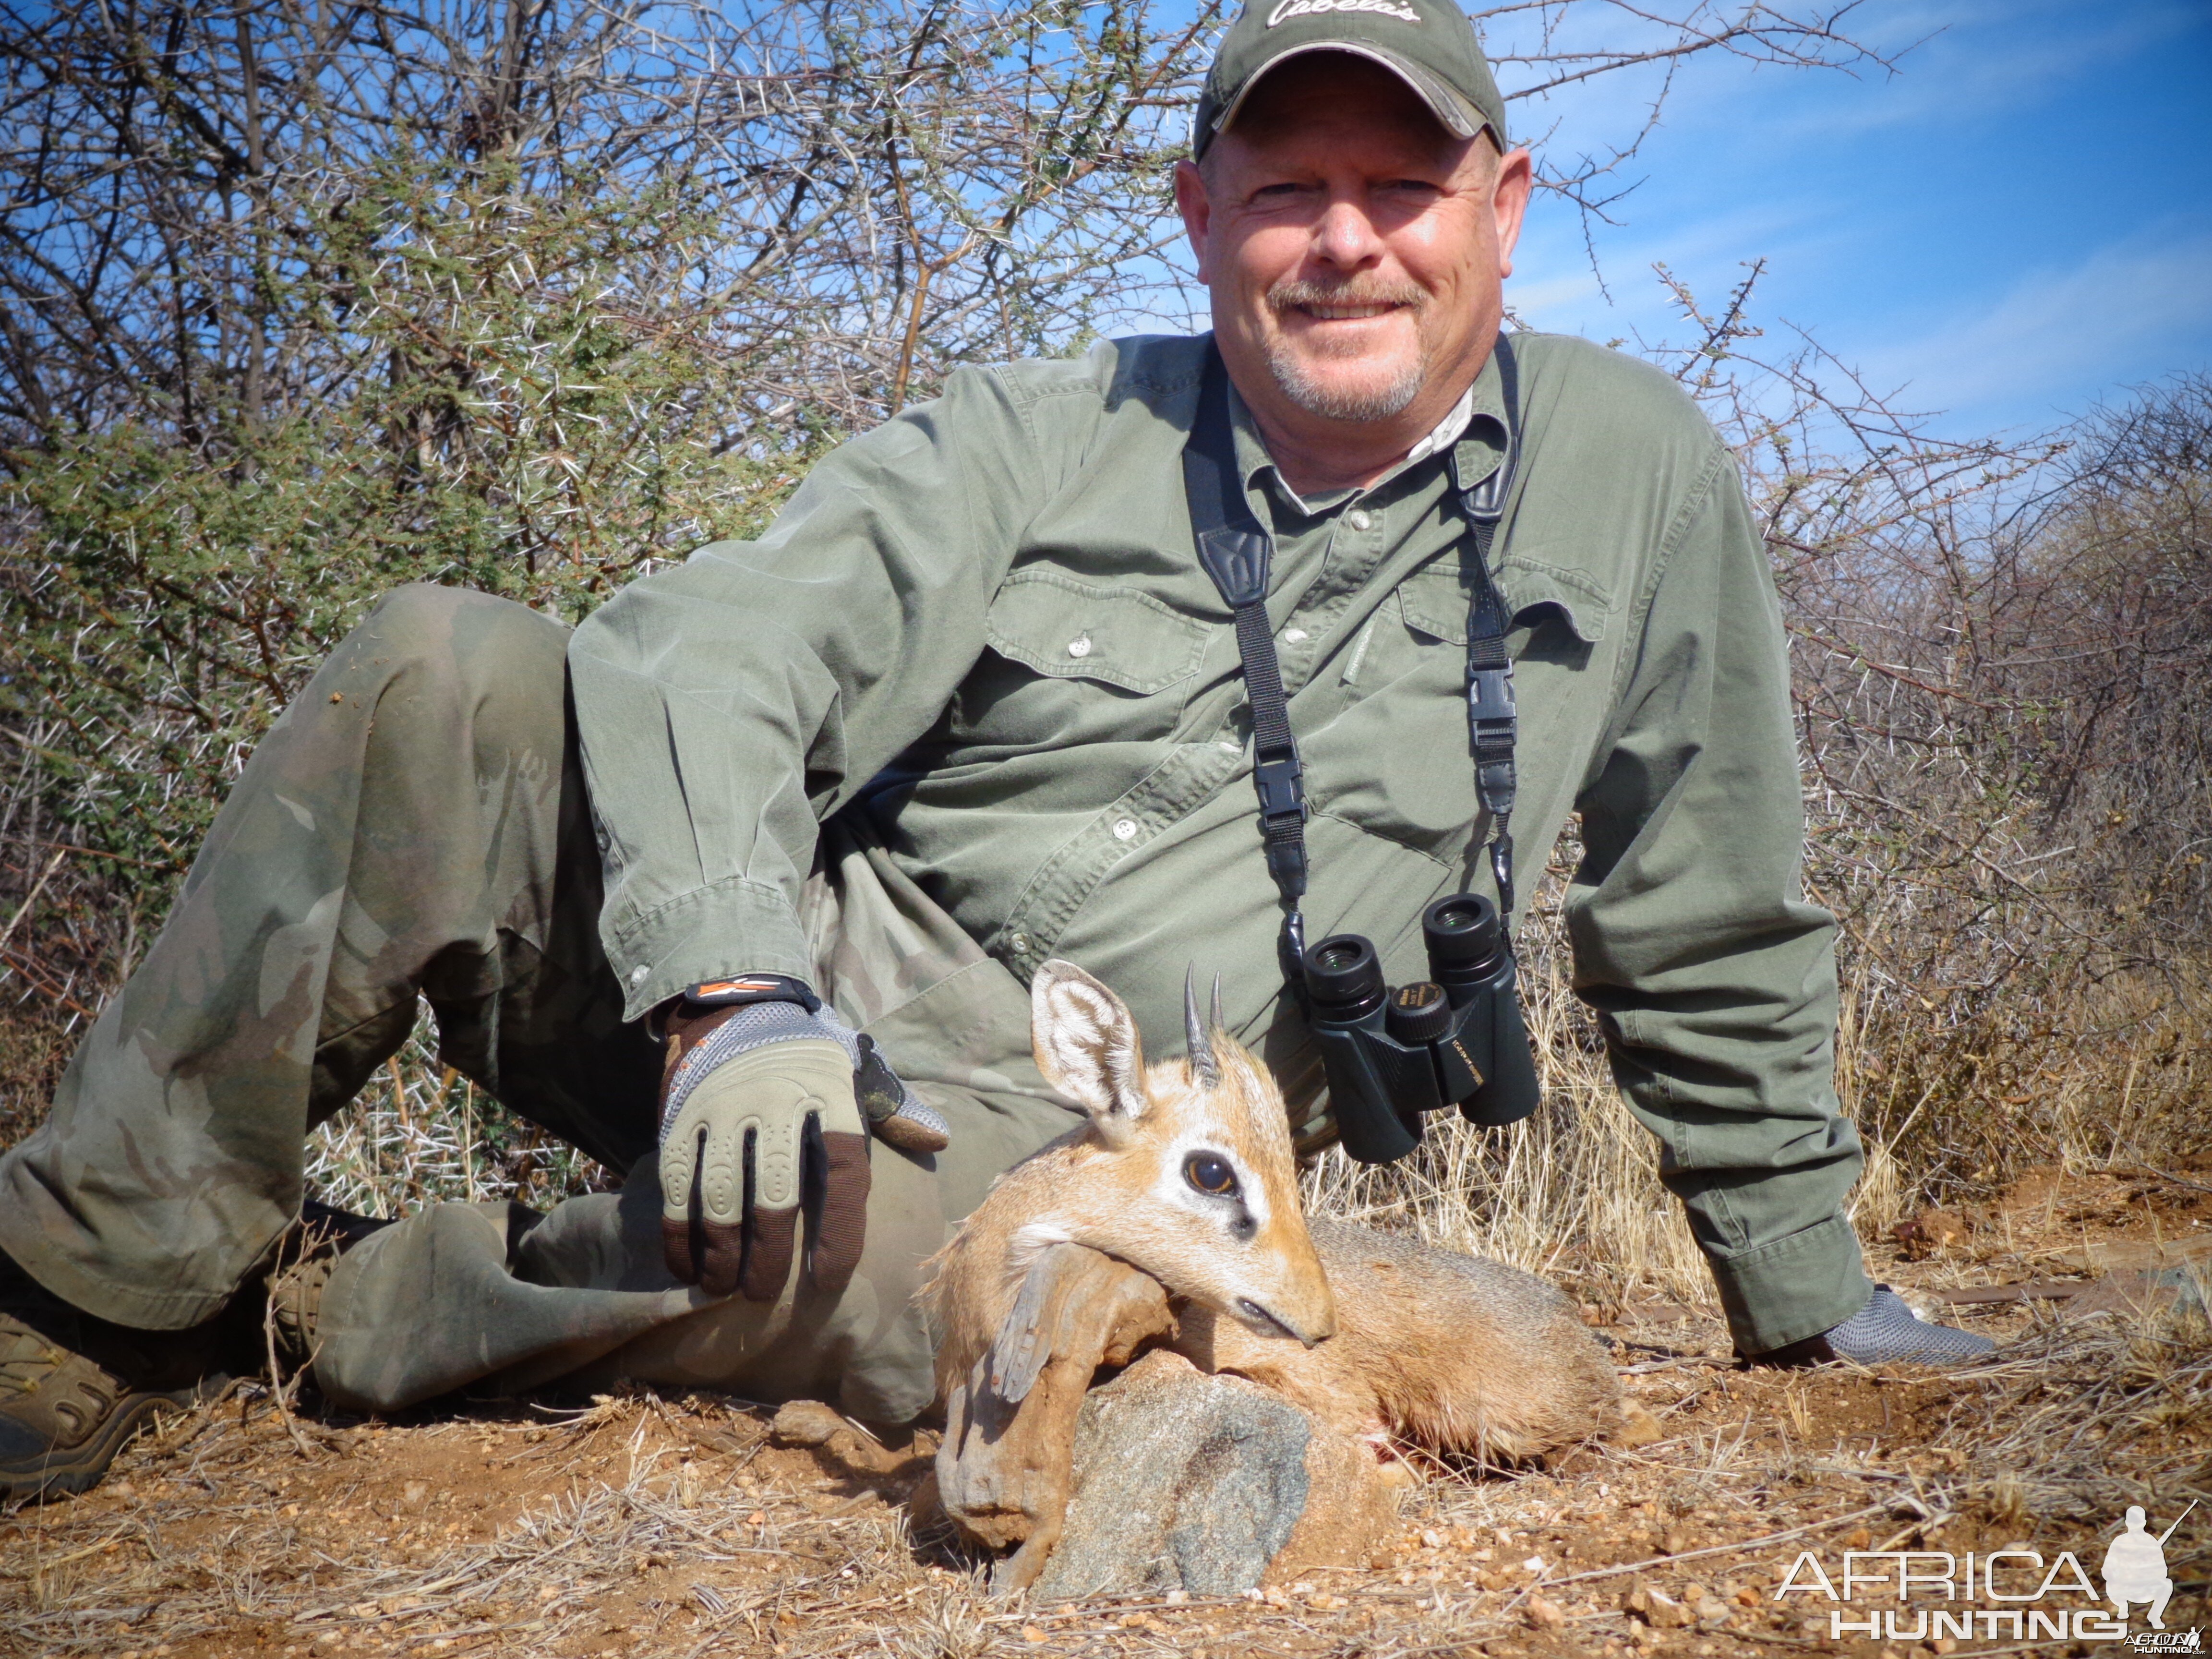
point(1395, 1052)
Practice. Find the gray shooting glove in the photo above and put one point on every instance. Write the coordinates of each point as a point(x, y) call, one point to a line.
point(764, 1103)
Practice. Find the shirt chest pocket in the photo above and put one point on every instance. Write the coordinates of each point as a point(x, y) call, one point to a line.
point(1542, 601)
point(1070, 661)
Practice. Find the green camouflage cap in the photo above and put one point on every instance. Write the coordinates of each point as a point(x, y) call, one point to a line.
point(1427, 43)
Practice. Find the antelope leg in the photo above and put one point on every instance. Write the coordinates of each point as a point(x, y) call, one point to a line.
point(1004, 1469)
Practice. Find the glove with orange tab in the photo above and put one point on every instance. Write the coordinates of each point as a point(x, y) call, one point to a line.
point(767, 1099)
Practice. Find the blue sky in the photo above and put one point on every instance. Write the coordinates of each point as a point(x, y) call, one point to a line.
point(2015, 225)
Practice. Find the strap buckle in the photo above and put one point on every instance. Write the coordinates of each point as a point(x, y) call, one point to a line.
point(1489, 697)
point(1281, 783)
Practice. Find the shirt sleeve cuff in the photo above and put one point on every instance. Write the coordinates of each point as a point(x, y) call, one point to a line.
point(732, 927)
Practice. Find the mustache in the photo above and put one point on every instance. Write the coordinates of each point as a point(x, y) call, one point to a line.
point(1290, 295)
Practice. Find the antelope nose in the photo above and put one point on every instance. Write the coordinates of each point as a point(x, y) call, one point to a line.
point(1253, 1311)
point(1316, 1328)
point(1316, 1315)
point(1319, 1330)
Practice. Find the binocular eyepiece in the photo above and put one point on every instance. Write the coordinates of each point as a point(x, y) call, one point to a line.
point(1455, 1039)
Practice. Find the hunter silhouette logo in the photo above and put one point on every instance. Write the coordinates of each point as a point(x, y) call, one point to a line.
point(2135, 1566)
point(2035, 1601)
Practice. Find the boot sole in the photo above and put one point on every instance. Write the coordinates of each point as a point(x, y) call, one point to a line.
point(82, 1468)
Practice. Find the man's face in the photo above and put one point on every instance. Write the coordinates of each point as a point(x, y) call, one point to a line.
point(1353, 248)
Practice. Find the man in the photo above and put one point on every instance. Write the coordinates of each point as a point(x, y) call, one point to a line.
point(827, 801)
point(2135, 1569)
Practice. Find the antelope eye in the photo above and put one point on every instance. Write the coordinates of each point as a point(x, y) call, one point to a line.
point(1210, 1173)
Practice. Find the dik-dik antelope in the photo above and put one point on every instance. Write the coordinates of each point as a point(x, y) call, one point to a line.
point(1185, 1172)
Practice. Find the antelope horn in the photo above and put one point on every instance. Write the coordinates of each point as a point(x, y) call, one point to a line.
point(1219, 1023)
point(1202, 1062)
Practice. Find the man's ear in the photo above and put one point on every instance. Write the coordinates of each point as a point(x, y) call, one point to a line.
point(1508, 204)
point(1197, 210)
point(1086, 1046)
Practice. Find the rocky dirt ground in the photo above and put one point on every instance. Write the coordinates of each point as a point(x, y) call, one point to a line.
point(685, 1527)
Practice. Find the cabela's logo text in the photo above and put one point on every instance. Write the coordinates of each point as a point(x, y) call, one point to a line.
point(1289, 9)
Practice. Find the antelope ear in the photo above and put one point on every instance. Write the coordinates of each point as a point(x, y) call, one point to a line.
point(1086, 1046)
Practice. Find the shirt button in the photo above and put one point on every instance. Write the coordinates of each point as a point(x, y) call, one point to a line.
point(1359, 518)
point(639, 974)
point(1294, 636)
point(1125, 829)
point(1018, 942)
point(1079, 646)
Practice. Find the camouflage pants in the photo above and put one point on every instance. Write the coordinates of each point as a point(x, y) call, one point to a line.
point(415, 827)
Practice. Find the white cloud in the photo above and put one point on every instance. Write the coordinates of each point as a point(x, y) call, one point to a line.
point(1955, 59)
point(1898, 217)
point(2127, 311)
point(1554, 287)
point(1971, 62)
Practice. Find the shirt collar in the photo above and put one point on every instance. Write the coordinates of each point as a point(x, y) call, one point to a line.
point(1474, 431)
point(1448, 430)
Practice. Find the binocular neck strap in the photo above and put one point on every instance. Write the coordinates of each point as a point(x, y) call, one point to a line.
point(1239, 554)
point(1493, 721)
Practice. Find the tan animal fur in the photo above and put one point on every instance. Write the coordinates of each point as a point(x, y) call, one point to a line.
point(1371, 1332)
point(1447, 1352)
point(1124, 1185)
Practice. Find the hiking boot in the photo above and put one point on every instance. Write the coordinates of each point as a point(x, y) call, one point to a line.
point(74, 1388)
point(1885, 1332)
point(295, 1300)
point(304, 1260)
point(304, 1257)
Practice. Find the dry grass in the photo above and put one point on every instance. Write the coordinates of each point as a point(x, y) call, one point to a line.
point(2074, 1423)
point(1574, 1193)
point(643, 1525)
point(639, 1525)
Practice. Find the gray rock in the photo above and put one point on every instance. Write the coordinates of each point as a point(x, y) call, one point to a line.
point(1180, 1481)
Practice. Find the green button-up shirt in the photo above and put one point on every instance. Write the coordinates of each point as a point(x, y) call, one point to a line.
point(984, 626)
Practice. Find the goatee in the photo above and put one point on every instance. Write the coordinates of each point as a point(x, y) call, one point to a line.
point(1295, 377)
